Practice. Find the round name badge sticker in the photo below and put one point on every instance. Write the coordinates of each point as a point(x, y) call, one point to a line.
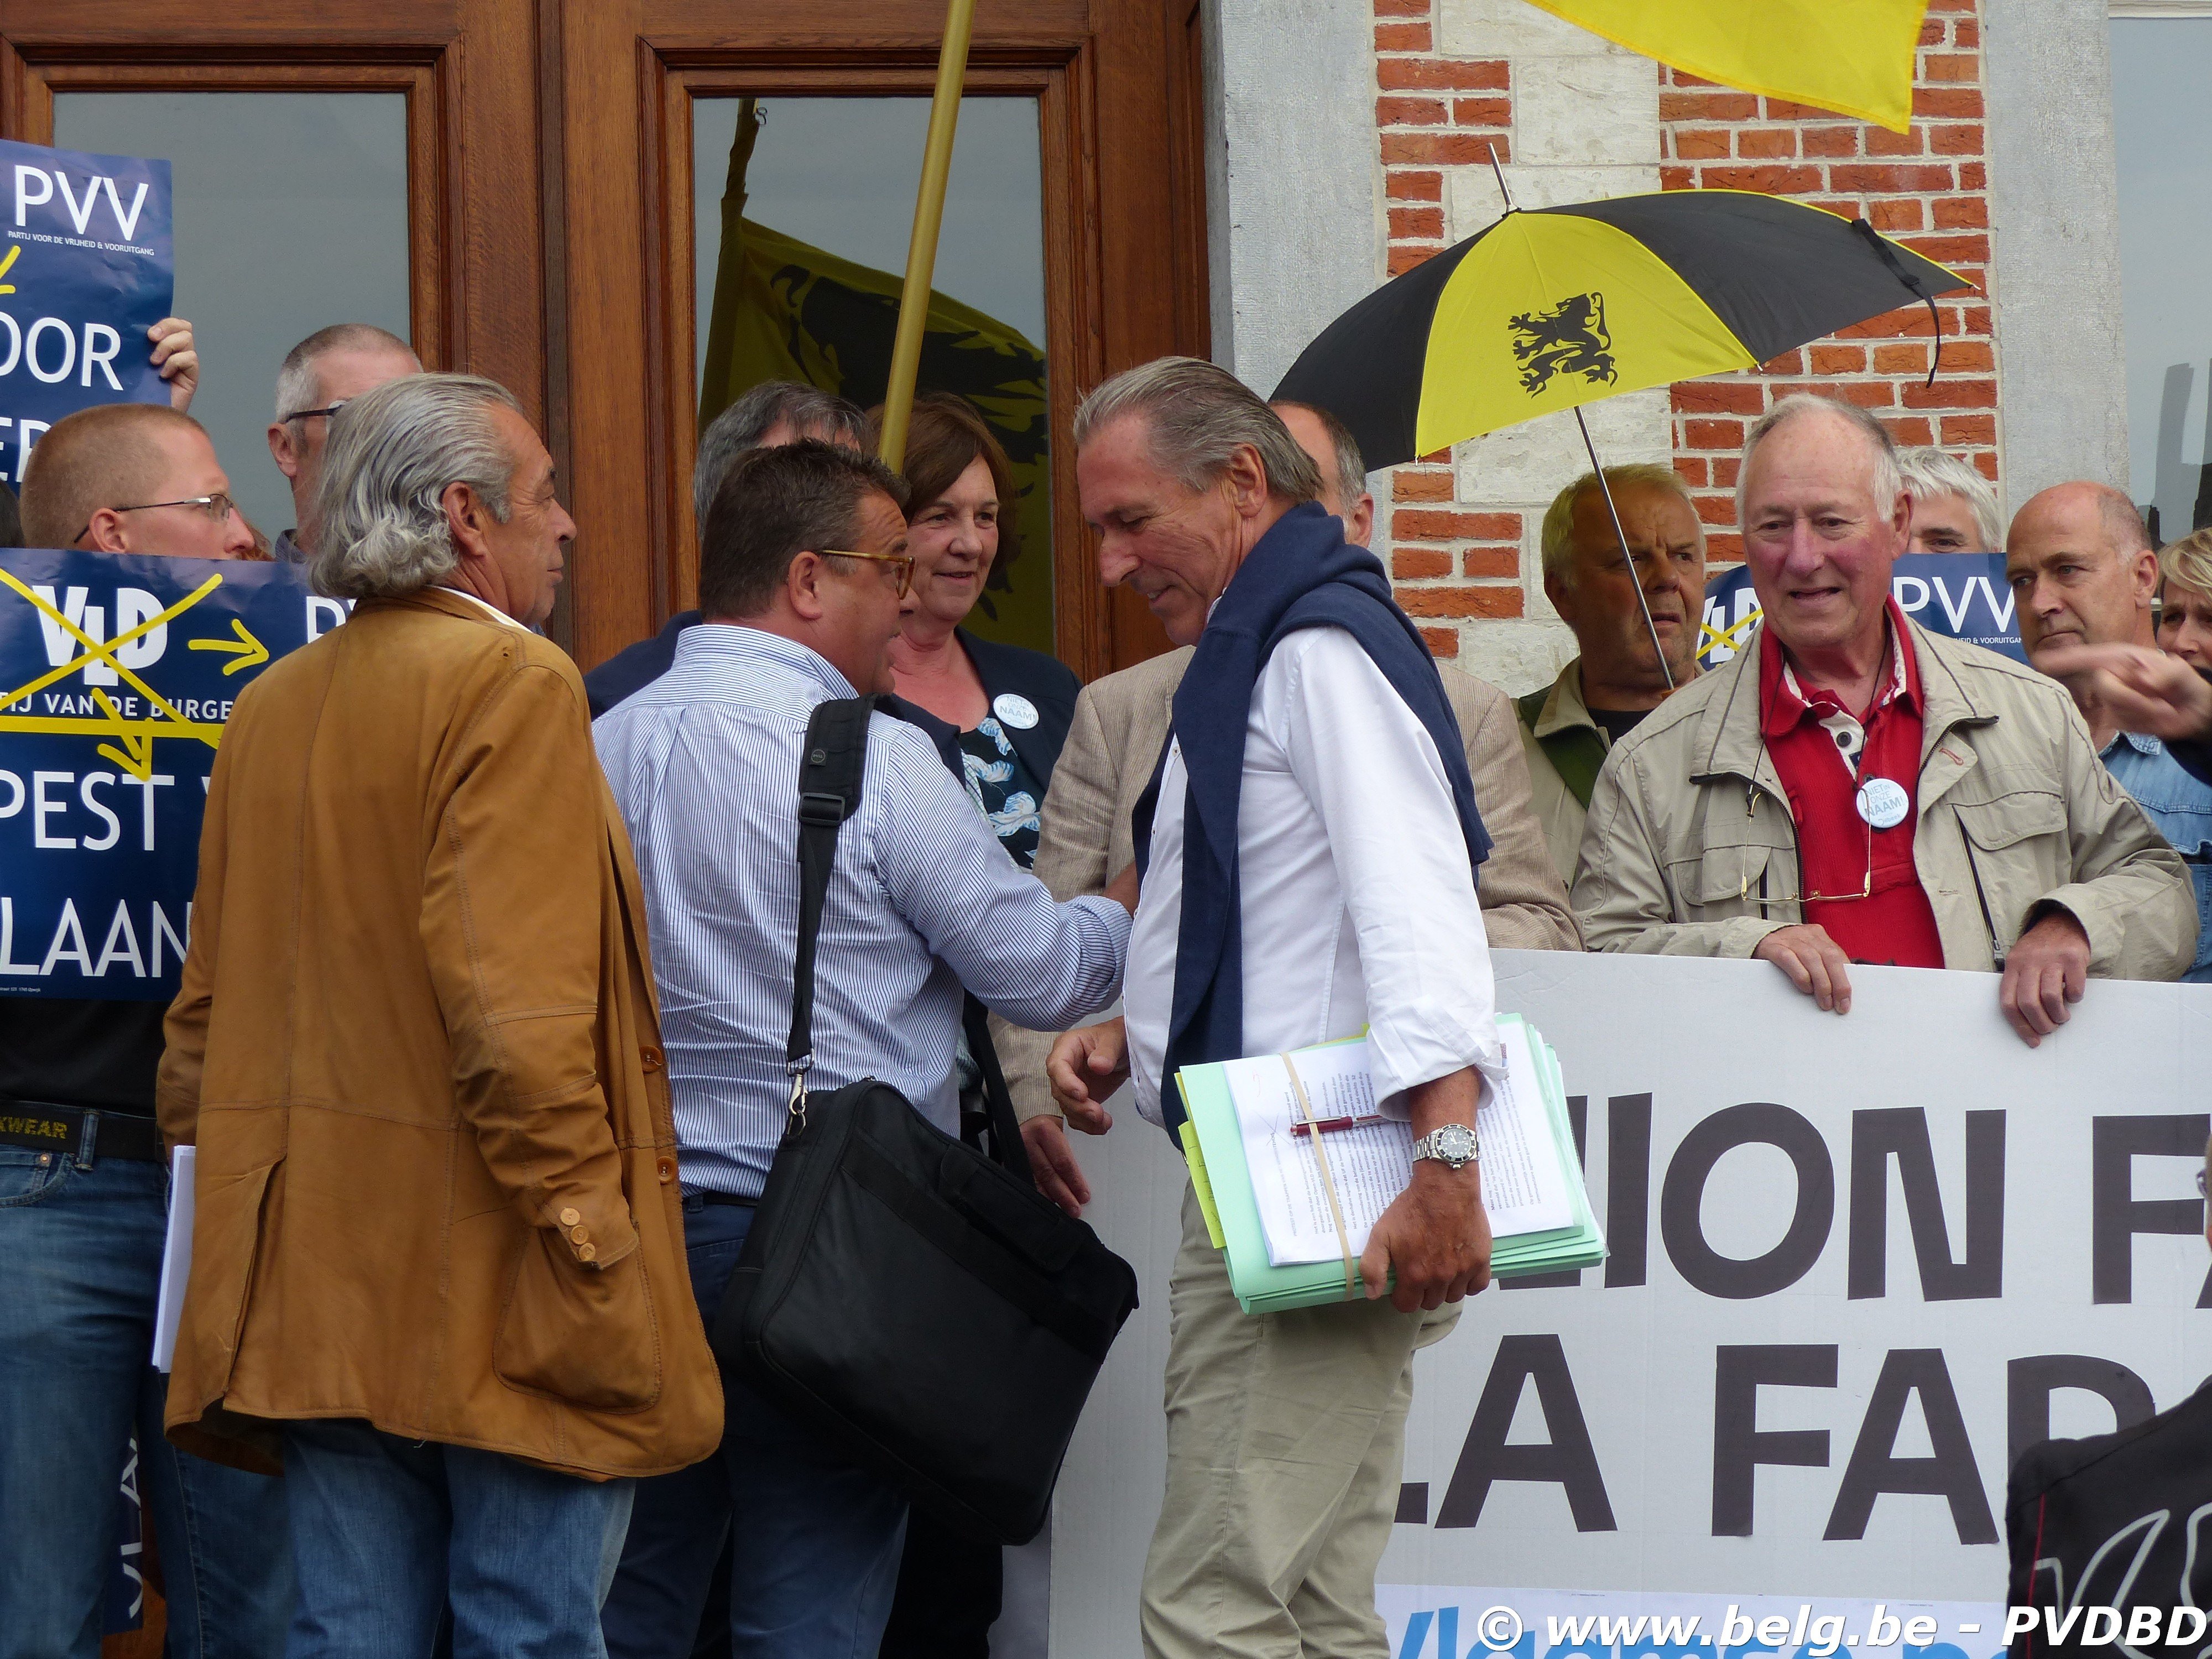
point(1882, 802)
point(1018, 712)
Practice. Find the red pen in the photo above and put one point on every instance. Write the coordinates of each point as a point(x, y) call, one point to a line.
point(1329, 1126)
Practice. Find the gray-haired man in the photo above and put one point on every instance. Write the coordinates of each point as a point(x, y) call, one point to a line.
point(1312, 740)
point(318, 377)
point(1567, 727)
point(771, 414)
point(438, 1252)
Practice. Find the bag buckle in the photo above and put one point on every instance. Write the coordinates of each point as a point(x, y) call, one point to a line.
point(821, 810)
point(799, 1068)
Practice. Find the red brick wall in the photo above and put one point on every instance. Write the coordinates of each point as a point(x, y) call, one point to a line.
point(1459, 565)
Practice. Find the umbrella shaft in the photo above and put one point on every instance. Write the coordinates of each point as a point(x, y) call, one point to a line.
point(1643, 602)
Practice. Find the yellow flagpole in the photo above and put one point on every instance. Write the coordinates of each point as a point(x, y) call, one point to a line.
point(928, 216)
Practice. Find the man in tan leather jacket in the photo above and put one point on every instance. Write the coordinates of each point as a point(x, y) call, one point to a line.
point(438, 1261)
point(1761, 811)
point(1120, 726)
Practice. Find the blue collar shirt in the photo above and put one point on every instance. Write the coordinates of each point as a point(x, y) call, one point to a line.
point(2180, 806)
point(704, 766)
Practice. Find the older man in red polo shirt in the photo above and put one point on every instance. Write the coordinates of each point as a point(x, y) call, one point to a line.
point(1855, 789)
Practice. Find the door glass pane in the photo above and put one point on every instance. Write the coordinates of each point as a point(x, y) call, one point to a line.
point(2162, 128)
point(806, 288)
point(291, 214)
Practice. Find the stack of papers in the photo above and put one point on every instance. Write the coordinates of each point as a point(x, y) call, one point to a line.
point(1267, 1201)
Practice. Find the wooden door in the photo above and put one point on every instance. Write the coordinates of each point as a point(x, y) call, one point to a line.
point(1116, 99)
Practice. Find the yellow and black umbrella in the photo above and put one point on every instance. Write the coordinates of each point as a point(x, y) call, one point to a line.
point(1551, 308)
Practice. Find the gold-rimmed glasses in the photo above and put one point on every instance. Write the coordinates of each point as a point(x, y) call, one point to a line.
point(1745, 896)
point(903, 561)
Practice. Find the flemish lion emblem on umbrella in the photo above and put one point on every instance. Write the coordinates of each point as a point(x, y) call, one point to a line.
point(1570, 338)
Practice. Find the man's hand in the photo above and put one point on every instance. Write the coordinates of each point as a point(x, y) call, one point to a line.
point(1052, 1161)
point(2046, 970)
point(2137, 689)
point(1435, 1233)
point(1085, 1067)
point(176, 359)
point(1816, 965)
point(1123, 889)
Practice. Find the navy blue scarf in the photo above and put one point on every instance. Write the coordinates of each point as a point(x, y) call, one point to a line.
point(1303, 575)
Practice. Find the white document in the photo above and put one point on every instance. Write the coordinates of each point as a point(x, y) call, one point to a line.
point(1524, 1187)
point(176, 1259)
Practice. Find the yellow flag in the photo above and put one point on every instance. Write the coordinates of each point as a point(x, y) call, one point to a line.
point(784, 310)
point(1854, 57)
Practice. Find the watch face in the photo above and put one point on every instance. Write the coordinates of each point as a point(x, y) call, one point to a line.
point(1456, 1141)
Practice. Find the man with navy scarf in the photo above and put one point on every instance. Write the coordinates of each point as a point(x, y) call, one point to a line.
point(1310, 844)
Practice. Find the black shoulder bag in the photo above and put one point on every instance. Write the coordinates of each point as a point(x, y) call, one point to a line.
point(920, 1305)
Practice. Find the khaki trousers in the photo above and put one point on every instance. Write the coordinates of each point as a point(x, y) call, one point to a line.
point(1286, 1442)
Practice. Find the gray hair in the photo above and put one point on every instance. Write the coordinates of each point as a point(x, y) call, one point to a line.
point(392, 452)
point(1351, 464)
point(1885, 481)
point(298, 384)
point(1558, 537)
point(1928, 473)
point(1197, 416)
point(809, 411)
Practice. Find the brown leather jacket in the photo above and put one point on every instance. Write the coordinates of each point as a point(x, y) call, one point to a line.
point(418, 1047)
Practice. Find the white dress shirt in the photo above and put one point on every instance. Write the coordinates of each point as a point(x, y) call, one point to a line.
point(704, 764)
point(1358, 902)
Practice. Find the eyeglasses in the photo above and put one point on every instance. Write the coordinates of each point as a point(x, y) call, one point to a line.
point(1744, 895)
point(218, 507)
point(903, 561)
point(310, 414)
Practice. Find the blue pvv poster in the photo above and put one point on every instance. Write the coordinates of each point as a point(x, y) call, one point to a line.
point(1961, 596)
point(86, 268)
point(118, 674)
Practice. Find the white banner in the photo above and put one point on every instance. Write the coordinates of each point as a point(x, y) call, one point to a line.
point(1855, 1263)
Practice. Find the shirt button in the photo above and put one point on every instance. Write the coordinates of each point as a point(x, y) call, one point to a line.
point(571, 1216)
point(665, 1169)
point(588, 1252)
point(652, 1058)
point(577, 1235)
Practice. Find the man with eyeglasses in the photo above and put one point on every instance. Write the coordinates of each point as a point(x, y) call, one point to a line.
point(82, 1230)
point(803, 575)
point(1855, 789)
point(320, 376)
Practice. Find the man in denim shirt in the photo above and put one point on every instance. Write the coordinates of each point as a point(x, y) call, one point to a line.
point(2083, 572)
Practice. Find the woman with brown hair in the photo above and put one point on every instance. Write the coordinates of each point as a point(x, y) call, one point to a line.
point(1006, 708)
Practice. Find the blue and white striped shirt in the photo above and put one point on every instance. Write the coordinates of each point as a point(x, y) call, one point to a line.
point(704, 763)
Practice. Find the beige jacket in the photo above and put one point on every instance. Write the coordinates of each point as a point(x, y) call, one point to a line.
point(417, 1048)
point(1120, 725)
point(1558, 811)
point(1691, 849)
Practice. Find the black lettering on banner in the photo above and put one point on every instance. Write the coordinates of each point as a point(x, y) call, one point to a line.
point(2116, 1215)
point(1901, 1132)
point(1740, 1445)
point(1682, 1227)
point(1578, 1119)
point(1567, 1459)
point(2030, 1382)
point(1874, 1469)
point(1628, 1188)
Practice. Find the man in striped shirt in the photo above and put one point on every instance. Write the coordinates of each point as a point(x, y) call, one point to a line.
point(802, 580)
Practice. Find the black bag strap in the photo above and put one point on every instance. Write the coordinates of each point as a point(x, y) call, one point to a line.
point(1006, 1147)
point(830, 771)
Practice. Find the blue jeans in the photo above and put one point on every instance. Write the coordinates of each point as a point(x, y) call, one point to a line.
point(386, 1533)
point(816, 1554)
point(82, 1253)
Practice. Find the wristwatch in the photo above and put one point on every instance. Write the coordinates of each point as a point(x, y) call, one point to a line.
point(1452, 1145)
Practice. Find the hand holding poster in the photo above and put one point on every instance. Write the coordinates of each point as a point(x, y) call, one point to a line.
point(86, 270)
point(118, 673)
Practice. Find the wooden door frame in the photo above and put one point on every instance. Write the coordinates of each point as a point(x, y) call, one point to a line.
point(630, 69)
